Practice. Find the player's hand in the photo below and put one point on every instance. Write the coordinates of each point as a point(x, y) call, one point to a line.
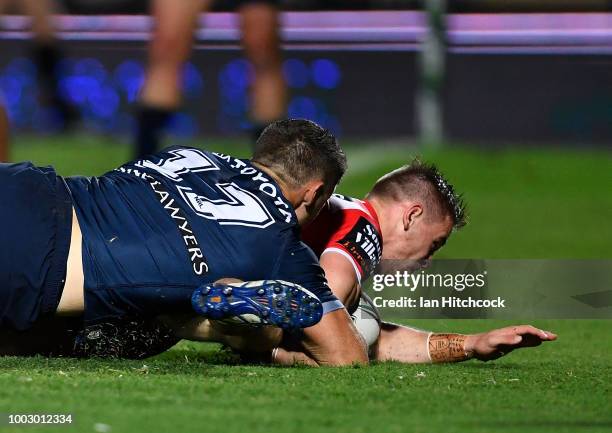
point(280, 356)
point(499, 342)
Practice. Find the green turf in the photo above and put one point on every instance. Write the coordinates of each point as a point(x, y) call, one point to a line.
point(523, 204)
point(562, 387)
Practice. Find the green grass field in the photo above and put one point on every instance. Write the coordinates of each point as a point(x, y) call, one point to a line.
point(523, 204)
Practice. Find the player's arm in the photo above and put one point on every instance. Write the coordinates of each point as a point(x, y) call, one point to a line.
point(341, 277)
point(409, 345)
point(334, 341)
point(240, 338)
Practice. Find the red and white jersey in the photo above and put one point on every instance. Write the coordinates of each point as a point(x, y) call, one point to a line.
point(350, 227)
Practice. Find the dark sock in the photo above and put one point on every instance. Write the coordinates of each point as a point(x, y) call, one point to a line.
point(150, 123)
point(47, 57)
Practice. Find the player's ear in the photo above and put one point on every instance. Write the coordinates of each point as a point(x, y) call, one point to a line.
point(313, 190)
point(410, 215)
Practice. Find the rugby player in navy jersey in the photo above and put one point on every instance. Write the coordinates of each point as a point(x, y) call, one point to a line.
point(408, 216)
point(152, 237)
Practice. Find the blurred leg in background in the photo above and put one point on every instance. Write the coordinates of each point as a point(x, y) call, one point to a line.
point(47, 56)
point(261, 42)
point(169, 49)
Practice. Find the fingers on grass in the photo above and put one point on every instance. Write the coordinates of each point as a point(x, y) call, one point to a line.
point(551, 336)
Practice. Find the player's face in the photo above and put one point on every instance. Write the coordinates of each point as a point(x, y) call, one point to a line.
point(422, 239)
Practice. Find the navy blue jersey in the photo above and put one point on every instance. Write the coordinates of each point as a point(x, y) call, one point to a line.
point(155, 229)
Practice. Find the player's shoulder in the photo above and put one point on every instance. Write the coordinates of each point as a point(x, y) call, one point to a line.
point(350, 227)
point(190, 160)
point(340, 215)
point(351, 210)
point(218, 186)
point(175, 159)
point(190, 156)
point(339, 201)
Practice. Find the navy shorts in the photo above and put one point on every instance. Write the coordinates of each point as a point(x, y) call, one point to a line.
point(35, 229)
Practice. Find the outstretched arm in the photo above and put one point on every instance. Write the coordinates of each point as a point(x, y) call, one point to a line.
point(409, 345)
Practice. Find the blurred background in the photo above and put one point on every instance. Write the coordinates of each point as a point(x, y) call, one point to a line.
point(512, 99)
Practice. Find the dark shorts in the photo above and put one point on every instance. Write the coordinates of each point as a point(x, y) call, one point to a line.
point(35, 228)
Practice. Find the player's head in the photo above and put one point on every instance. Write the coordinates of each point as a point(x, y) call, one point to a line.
point(306, 159)
point(419, 210)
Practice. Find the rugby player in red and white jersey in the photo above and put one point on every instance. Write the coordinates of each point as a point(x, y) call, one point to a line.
point(408, 215)
point(346, 236)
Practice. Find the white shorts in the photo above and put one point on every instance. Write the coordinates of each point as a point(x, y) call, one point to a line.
point(367, 320)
